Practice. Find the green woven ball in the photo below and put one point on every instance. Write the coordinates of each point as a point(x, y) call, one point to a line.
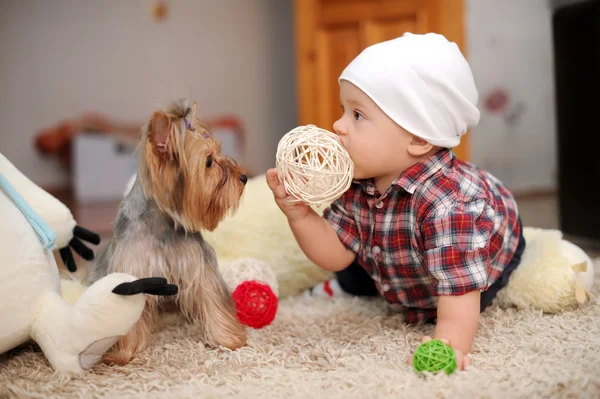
point(434, 356)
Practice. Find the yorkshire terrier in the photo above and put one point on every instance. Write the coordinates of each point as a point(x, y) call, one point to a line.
point(184, 185)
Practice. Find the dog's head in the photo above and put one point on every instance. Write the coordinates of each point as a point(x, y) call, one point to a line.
point(183, 170)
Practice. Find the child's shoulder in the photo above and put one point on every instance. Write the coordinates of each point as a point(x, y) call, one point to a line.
point(459, 181)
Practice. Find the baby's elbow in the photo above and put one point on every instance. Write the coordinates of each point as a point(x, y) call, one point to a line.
point(338, 263)
point(333, 267)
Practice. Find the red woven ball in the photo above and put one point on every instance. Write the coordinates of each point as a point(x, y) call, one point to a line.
point(256, 304)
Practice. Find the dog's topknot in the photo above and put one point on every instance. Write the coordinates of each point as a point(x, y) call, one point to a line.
point(179, 109)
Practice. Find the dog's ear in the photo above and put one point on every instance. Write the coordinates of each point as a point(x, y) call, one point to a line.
point(159, 131)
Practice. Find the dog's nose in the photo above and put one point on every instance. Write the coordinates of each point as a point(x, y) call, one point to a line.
point(244, 179)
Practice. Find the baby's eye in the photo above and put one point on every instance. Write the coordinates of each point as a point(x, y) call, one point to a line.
point(358, 116)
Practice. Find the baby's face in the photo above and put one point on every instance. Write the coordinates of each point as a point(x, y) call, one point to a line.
point(376, 144)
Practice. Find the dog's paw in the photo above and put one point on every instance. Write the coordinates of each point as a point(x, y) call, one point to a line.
point(120, 358)
point(231, 341)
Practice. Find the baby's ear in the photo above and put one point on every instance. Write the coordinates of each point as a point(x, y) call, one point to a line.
point(160, 126)
point(418, 147)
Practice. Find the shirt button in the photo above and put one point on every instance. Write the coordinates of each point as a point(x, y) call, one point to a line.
point(385, 287)
point(376, 250)
point(379, 205)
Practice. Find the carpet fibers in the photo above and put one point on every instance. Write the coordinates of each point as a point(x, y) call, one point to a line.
point(342, 348)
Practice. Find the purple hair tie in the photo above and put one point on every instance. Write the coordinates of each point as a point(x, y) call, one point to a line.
point(206, 135)
point(188, 124)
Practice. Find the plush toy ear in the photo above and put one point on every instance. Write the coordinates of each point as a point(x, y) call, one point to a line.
point(159, 133)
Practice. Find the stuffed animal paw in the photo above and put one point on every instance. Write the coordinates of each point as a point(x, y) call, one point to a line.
point(69, 235)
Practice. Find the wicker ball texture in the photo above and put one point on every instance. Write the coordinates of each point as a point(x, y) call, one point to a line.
point(313, 165)
point(434, 356)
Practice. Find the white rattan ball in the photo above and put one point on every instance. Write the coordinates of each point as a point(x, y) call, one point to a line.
point(313, 166)
point(249, 269)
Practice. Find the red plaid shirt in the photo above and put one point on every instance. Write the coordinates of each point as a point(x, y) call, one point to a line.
point(444, 227)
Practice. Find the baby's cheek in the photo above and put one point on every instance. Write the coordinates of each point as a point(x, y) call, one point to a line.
point(353, 156)
point(360, 165)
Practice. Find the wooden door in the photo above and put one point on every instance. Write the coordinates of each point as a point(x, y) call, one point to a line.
point(330, 33)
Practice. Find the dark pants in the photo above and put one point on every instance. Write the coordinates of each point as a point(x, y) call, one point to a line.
point(356, 281)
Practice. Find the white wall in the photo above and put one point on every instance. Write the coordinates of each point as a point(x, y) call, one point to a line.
point(61, 57)
point(510, 47)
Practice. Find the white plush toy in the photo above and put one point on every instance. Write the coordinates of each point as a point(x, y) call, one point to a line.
point(73, 338)
point(554, 274)
point(58, 217)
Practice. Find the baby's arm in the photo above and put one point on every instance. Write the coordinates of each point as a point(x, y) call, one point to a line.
point(457, 319)
point(320, 243)
point(456, 238)
point(315, 235)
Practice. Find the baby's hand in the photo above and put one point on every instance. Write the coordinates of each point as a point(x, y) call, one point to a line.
point(462, 361)
point(294, 210)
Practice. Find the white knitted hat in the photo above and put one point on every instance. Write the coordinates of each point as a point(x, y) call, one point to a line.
point(422, 82)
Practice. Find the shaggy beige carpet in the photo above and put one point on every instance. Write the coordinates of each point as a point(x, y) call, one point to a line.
point(343, 348)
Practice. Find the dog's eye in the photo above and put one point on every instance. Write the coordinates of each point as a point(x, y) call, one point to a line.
point(209, 161)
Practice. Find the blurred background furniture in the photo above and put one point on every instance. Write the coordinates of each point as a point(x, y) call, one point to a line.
point(100, 154)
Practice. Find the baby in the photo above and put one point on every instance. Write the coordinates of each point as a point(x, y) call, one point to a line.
point(427, 231)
